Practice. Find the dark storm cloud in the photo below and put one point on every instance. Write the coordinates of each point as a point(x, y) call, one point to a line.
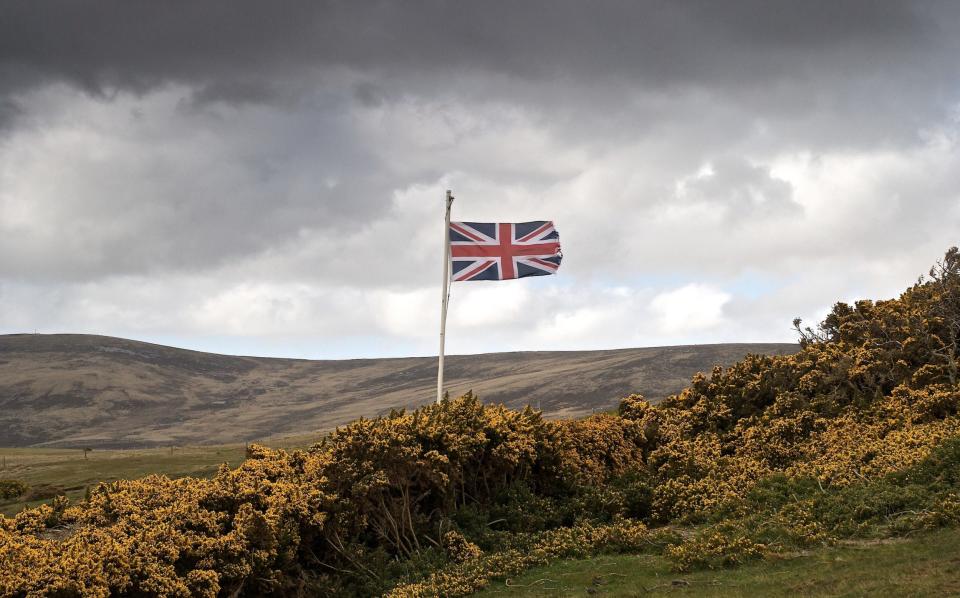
point(9, 111)
point(187, 189)
point(856, 73)
point(201, 165)
point(236, 93)
point(232, 46)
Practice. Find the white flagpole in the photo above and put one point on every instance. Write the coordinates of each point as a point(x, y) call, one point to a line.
point(445, 299)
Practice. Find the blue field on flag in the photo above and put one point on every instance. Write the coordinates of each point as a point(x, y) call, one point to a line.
point(503, 250)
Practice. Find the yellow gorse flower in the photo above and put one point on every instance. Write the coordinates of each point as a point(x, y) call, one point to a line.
point(873, 391)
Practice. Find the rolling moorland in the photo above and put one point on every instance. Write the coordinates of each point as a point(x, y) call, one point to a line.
point(98, 392)
point(763, 477)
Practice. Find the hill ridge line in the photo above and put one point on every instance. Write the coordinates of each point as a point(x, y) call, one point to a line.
point(519, 351)
point(74, 390)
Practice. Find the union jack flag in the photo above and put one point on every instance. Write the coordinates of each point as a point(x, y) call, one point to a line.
point(499, 250)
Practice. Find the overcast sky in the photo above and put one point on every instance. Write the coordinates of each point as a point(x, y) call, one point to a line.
point(267, 178)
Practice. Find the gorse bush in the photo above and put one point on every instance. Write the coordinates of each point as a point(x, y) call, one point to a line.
point(854, 435)
point(577, 541)
point(12, 489)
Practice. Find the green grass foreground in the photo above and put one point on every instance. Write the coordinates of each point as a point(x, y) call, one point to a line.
point(922, 565)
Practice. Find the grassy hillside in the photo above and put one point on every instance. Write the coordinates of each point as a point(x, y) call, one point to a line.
point(101, 392)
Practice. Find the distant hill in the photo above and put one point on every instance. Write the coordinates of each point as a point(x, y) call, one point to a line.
point(97, 391)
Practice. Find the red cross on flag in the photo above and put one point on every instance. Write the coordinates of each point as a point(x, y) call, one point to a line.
point(500, 251)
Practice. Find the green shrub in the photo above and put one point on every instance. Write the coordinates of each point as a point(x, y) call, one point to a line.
point(10, 489)
point(713, 549)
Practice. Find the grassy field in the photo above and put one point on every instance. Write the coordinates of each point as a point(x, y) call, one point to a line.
point(68, 471)
point(925, 565)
